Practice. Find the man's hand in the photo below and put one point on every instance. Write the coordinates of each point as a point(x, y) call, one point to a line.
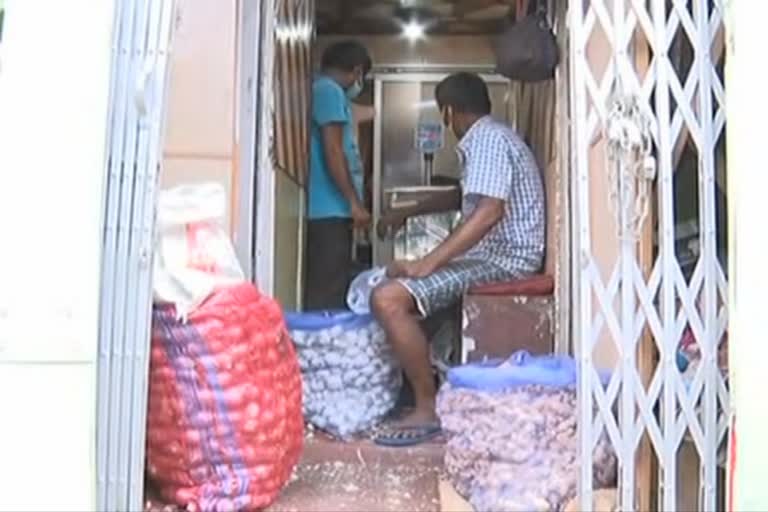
point(413, 269)
point(361, 218)
point(389, 223)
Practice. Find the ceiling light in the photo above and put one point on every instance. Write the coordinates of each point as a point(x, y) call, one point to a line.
point(413, 30)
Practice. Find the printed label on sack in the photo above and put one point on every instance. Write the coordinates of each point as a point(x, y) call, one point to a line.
point(200, 241)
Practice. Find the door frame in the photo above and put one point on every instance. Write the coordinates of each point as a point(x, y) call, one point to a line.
point(250, 15)
point(263, 229)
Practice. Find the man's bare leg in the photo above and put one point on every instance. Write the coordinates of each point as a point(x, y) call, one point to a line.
point(395, 310)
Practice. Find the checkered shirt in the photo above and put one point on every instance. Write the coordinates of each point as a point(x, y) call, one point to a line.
point(497, 163)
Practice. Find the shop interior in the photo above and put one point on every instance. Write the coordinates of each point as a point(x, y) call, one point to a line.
point(413, 45)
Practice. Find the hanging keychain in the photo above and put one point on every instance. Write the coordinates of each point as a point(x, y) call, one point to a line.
point(631, 167)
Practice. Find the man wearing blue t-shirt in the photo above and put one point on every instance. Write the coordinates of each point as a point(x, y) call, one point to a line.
point(335, 176)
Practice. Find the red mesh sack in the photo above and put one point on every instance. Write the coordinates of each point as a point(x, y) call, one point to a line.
point(225, 427)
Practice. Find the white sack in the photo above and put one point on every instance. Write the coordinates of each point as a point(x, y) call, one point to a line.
point(193, 252)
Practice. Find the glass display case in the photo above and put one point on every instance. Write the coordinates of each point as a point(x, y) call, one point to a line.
point(422, 234)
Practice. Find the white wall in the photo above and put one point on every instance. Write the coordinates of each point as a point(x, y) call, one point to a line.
point(54, 81)
point(747, 181)
point(200, 139)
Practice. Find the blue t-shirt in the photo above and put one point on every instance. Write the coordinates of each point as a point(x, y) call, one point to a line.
point(330, 105)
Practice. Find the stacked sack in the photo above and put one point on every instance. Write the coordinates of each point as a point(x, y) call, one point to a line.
point(512, 441)
point(350, 375)
point(224, 429)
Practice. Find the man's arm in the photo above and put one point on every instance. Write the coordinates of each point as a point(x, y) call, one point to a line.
point(336, 161)
point(437, 202)
point(489, 173)
point(488, 212)
point(330, 113)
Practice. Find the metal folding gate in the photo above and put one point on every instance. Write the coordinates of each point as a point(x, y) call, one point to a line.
point(141, 35)
point(632, 107)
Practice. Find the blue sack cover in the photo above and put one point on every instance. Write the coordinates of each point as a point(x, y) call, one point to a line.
point(521, 369)
point(313, 321)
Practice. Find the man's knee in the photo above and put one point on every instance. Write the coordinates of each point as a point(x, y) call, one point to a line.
point(390, 299)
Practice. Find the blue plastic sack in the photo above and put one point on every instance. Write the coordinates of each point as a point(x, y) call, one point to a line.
point(313, 321)
point(521, 369)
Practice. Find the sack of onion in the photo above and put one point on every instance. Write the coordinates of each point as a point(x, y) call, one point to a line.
point(224, 429)
point(511, 434)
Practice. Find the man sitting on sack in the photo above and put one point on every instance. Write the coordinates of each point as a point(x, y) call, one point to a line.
point(501, 238)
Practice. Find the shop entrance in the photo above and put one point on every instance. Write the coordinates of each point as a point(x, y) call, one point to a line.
point(637, 289)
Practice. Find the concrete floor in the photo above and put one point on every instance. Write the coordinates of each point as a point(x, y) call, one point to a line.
point(335, 476)
point(339, 477)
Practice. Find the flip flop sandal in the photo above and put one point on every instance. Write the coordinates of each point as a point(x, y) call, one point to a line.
point(407, 436)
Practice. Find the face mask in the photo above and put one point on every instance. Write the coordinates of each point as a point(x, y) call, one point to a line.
point(354, 90)
point(448, 119)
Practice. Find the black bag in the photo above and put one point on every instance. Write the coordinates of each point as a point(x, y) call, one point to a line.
point(527, 50)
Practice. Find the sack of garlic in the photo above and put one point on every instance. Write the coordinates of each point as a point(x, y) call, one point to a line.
point(351, 379)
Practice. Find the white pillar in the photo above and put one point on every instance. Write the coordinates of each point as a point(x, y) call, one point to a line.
point(54, 86)
point(748, 211)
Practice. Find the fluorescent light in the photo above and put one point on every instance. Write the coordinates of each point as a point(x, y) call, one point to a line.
point(413, 30)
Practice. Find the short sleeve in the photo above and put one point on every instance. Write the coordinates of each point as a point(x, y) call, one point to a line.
point(489, 167)
point(329, 104)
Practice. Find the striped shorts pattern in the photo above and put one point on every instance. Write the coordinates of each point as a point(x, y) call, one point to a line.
point(446, 286)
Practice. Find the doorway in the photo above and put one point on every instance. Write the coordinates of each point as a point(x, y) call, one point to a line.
point(543, 113)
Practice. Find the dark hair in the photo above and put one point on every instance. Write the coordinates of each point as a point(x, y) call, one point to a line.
point(465, 93)
point(346, 56)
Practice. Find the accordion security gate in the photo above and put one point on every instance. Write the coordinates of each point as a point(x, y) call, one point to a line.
point(141, 35)
point(654, 301)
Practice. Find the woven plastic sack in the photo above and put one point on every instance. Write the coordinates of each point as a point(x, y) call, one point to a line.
point(193, 252)
point(350, 375)
point(225, 428)
point(513, 447)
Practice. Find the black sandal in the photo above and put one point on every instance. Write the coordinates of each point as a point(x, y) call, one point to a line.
point(407, 436)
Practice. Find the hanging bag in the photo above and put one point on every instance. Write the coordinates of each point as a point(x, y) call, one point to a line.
point(527, 50)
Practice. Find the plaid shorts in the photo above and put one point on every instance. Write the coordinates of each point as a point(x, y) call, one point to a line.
point(447, 285)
